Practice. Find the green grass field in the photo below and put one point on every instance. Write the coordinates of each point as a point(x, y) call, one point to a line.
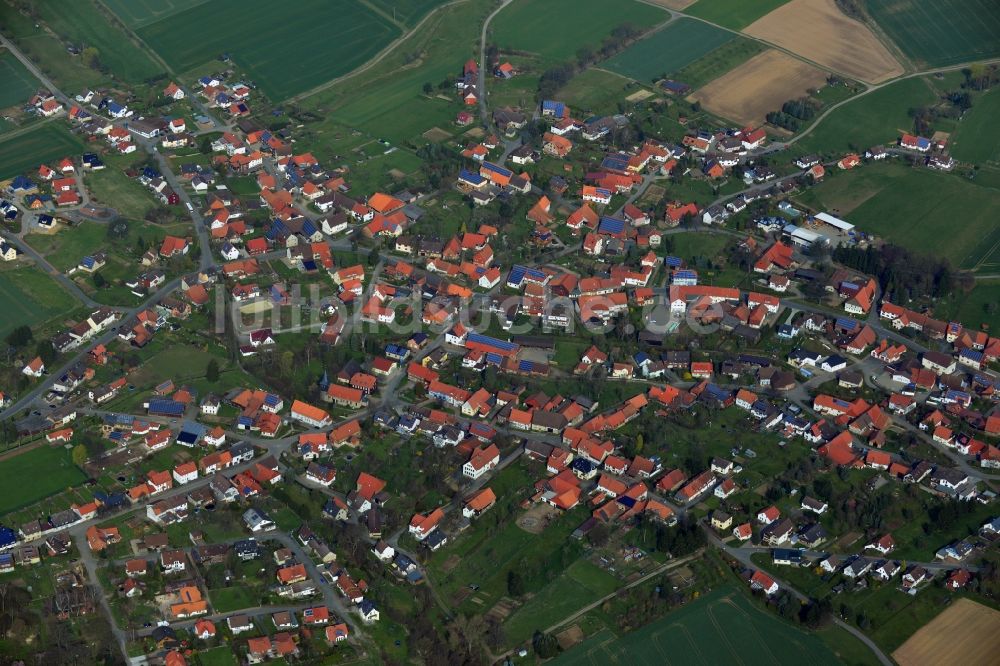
point(25, 152)
point(49, 53)
point(876, 118)
point(387, 101)
point(29, 296)
point(940, 32)
point(18, 83)
point(50, 470)
point(717, 62)
point(978, 308)
point(229, 599)
point(81, 22)
point(111, 187)
point(556, 29)
point(217, 656)
point(596, 90)
point(284, 53)
point(408, 12)
point(735, 14)
point(668, 50)
point(722, 627)
point(582, 583)
point(977, 138)
point(139, 13)
point(917, 208)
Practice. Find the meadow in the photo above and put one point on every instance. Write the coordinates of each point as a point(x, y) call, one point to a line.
point(26, 151)
point(977, 139)
point(868, 120)
point(388, 101)
point(408, 12)
point(667, 50)
point(284, 53)
point(733, 14)
point(19, 84)
point(917, 208)
point(715, 63)
point(556, 29)
point(582, 583)
point(596, 90)
point(724, 626)
point(49, 53)
point(65, 249)
point(82, 22)
point(979, 308)
point(28, 296)
point(50, 470)
point(139, 13)
point(941, 32)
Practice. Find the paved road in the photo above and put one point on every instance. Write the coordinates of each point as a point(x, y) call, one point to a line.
point(484, 112)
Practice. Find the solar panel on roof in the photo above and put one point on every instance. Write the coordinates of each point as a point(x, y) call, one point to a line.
point(611, 225)
point(846, 323)
point(494, 359)
point(489, 166)
point(525, 366)
point(490, 341)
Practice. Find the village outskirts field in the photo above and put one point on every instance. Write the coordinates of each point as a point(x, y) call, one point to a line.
point(366, 86)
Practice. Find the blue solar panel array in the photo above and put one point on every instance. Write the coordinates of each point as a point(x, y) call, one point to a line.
point(167, 407)
point(557, 108)
point(617, 162)
point(470, 177)
point(495, 168)
point(479, 338)
point(673, 262)
point(847, 323)
point(972, 355)
point(611, 225)
point(494, 359)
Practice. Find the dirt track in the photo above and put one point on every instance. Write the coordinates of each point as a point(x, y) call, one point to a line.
point(966, 633)
point(817, 30)
point(758, 86)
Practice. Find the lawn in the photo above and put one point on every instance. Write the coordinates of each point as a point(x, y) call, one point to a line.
point(556, 29)
point(111, 187)
point(668, 50)
point(19, 84)
point(868, 120)
point(25, 152)
point(218, 656)
point(977, 139)
point(735, 14)
point(724, 626)
point(940, 32)
point(596, 90)
point(320, 40)
point(50, 470)
point(917, 208)
point(978, 308)
point(83, 23)
point(65, 249)
point(230, 599)
point(29, 296)
point(582, 583)
point(715, 63)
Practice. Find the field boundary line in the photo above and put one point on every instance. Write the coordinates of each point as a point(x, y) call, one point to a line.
point(374, 60)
